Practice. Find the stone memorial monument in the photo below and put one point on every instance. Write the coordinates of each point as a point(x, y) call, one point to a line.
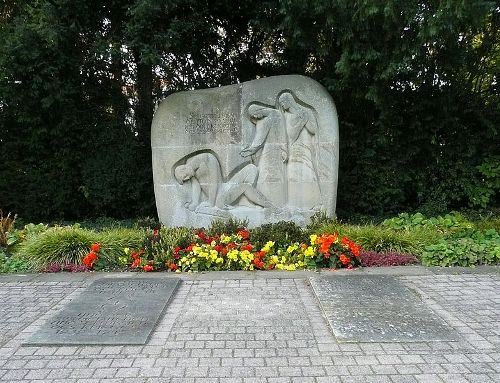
point(264, 150)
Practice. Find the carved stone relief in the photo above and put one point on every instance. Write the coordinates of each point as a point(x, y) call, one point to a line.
point(277, 160)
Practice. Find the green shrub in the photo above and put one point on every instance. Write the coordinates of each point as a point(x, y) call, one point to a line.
point(318, 220)
point(226, 226)
point(11, 264)
point(57, 245)
point(281, 233)
point(448, 223)
point(488, 224)
point(160, 248)
point(467, 249)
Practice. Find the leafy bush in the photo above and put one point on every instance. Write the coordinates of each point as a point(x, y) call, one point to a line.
point(318, 220)
point(12, 264)
point(281, 233)
point(374, 259)
point(225, 226)
point(448, 223)
point(15, 237)
point(160, 247)
point(488, 224)
point(467, 249)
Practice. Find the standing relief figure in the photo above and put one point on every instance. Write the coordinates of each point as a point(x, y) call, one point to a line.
point(269, 151)
point(208, 190)
point(301, 128)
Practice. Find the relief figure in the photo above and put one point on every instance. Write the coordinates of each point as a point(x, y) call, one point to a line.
point(269, 151)
point(208, 189)
point(301, 128)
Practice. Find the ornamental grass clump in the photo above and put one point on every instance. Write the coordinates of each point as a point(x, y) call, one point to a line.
point(60, 245)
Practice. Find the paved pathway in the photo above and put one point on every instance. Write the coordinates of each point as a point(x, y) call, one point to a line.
point(256, 327)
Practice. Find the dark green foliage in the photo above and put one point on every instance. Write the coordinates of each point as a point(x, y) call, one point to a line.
point(467, 249)
point(226, 226)
point(281, 233)
point(415, 84)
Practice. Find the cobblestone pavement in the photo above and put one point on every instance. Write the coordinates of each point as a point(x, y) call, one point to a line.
point(257, 327)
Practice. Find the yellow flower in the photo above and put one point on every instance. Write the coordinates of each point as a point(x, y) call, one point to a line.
point(219, 260)
point(309, 252)
point(213, 255)
point(268, 246)
point(283, 259)
point(126, 250)
point(233, 254)
point(224, 238)
point(274, 259)
point(279, 266)
point(196, 249)
point(313, 238)
point(292, 248)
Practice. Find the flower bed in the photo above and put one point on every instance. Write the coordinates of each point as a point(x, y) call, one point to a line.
point(236, 252)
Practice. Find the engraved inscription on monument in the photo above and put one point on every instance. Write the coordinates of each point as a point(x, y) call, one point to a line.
point(110, 311)
point(215, 122)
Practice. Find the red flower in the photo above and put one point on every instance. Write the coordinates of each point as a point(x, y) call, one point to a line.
point(345, 260)
point(218, 248)
point(172, 266)
point(136, 263)
point(231, 245)
point(155, 232)
point(148, 268)
point(96, 247)
point(244, 234)
point(248, 247)
point(90, 259)
point(258, 263)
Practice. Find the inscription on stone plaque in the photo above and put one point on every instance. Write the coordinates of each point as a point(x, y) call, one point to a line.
point(377, 309)
point(110, 311)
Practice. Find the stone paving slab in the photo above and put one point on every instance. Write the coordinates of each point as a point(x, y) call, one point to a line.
point(370, 308)
point(110, 311)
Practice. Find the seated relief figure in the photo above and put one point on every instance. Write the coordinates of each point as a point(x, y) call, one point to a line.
point(203, 171)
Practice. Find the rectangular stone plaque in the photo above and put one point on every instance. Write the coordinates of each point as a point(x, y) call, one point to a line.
point(111, 311)
point(377, 309)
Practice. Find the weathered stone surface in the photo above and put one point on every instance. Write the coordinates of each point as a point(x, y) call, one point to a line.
point(264, 150)
point(377, 309)
point(110, 311)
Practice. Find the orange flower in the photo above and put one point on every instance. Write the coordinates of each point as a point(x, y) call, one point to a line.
point(89, 259)
point(148, 268)
point(244, 234)
point(345, 260)
point(96, 247)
